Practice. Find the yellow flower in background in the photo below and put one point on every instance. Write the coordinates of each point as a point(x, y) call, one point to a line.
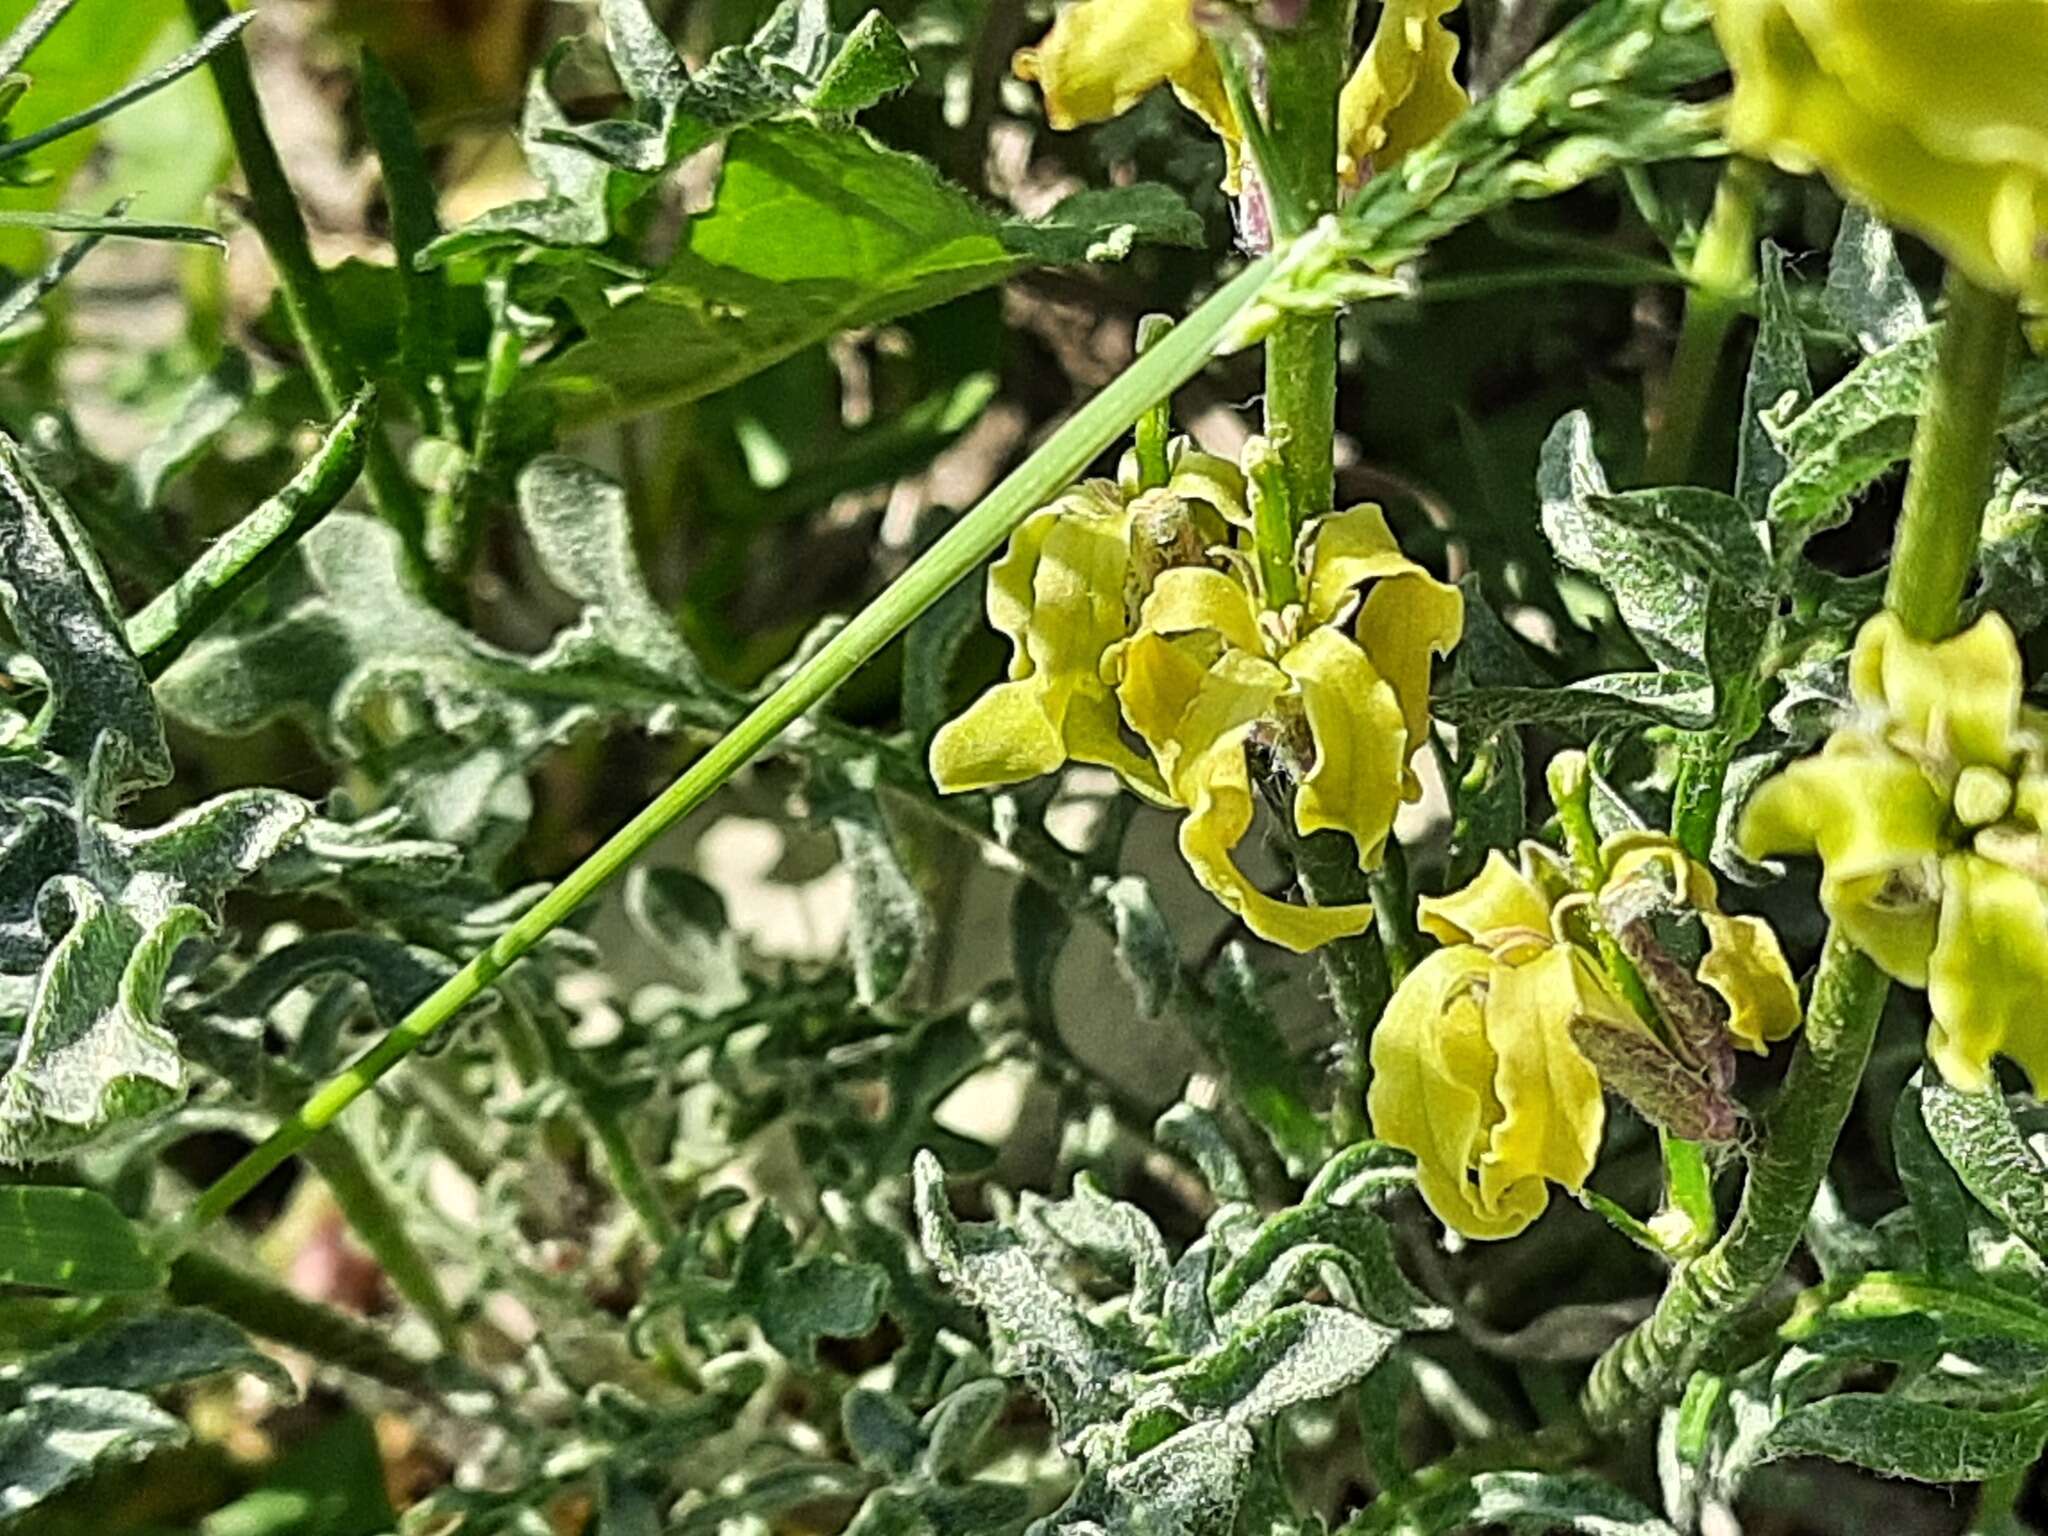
point(1929, 811)
point(1935, 114)
point(1337, 686)
point(1062, 594)
point(1102, 57)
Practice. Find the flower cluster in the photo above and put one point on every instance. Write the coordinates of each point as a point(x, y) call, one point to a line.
point(1490, 1061)
point(1935, 115)
point(1145, 640)
point(1104, 56)
point(1929, 810)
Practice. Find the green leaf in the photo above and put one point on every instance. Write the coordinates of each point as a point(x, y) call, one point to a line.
point(55, 596)
point(684, 917)
point(1975, 1132)
point(1868, 293)
point(571, 210)
point(111, 226)
point(1297, 1354)
point(1776, 388)
point(71, 1240)
point(205, 408)
point(1662, 601)
point(1928, 1442)
point(1489, 792)
point(1583, 708)
point(55, 1441)
point(1862, 427)
point(149, 1352)
point(890, 924)
point(814, 232)
point(1940, 1207)
point(1239, 1030)
point(1535, 1502)
point(1145, 950)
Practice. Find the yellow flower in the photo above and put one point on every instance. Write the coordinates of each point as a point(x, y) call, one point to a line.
point(1063, 594)
point(1477, 1069)
point(1934, 114)
point(1929, 811)
point(1490, 1061)
point(1337, 686)
point(1104, 56)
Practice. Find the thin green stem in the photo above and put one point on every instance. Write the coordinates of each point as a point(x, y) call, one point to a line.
point(1274, 522)
point(373, 1219)
point(961, 550)
point(274, 210)
point(1943, 514)
point(1722, 271)
point(452, 516)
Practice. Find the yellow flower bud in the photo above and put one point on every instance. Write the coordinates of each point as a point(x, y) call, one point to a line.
point(1933, 114)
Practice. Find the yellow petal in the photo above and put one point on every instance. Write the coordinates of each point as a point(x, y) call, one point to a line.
point(1989, 974)
point(1355, 722)
point(1007, 735)
point(1404, 91)
point(1746, 966)
point(1341, 553)
point(1959, 698)
point(1189, 598)
point(1631, 855)
point(1210, 478)
point(1102, 57)
point(1156, 684)
point(1406, 622)
point(1552, 1111)
point(1941, 139)
point(1432, 1091)
point(1878, 827)
point(1501, 900)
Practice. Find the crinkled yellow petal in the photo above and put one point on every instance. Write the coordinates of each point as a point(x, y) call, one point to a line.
point(1009, 734)
point(1552, 1111)
point(1190, 597)
point(1630, 855)
point(1959, 698)
point(1405, 90)
point(1210, 478)
point(1355, 722)
point(1746, 966)
point(1212, 779)
point(1989, 974)
point(1432, 1091)
point(1156, 684)
point(1407, 622)
point(1935, 139)
point(1500, 900)
point(1341, 553)
point(1878, 827)
point(1102, 57)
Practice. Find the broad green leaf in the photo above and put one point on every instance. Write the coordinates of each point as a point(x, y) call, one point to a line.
point(1975, 1132)
point(2013, 561)
point(1534, 1502)
point(1868, 293)
point(57, 1440)
point(1927, 1442)
point(1297, 1354)
point(71, 1240)
point(1776, 387)
point(814, 232)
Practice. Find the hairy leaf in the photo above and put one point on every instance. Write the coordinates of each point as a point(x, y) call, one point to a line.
point(71, 1240)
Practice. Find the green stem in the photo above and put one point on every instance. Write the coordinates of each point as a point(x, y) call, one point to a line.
point(274, 210)
point(240, 558)
point(265, 1308)
point(1722, 271)
point(1936, 550)
point(1646, 1369)
point(1943, 514)
point(961, 550)
point(1305, 70)
point(372, 1218)
point(1997, 1512)
point(451, 517)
